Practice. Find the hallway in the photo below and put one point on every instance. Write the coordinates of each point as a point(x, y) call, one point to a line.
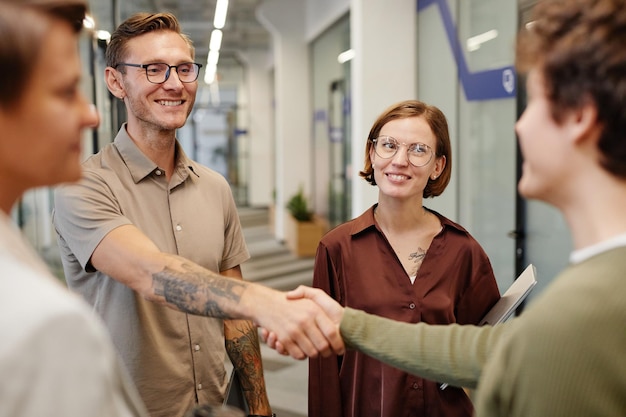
point(273, 265)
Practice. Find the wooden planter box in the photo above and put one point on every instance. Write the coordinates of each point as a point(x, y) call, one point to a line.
point(302, 238)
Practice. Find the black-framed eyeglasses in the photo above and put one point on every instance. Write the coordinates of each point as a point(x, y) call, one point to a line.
point(159, 72)
point(419, 154)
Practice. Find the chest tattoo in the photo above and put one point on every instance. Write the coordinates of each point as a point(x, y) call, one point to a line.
point(417, 257)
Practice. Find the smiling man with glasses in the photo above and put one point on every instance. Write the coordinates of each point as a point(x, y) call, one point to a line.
point(141, 232)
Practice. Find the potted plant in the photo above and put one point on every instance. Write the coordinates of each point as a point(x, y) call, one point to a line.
point(303, 229)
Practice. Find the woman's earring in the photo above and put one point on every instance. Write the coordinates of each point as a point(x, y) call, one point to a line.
point(373, 166)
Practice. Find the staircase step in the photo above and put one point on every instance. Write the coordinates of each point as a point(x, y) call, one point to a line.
point(271, 263)
point(290, 282)
point(258, 233)
point(270, 247)
point(279, 269)
point(250, 217)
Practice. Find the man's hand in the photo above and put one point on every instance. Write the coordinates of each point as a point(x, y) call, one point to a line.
point(301, 326)
point(332, 311)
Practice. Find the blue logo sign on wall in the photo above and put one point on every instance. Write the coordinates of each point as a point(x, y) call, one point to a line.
point(481, 85)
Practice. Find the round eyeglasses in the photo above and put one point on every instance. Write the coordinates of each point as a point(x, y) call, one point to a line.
point(159, 72)
point(419, 154)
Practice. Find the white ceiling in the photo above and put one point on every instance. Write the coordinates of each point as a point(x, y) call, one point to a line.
point(242, 31)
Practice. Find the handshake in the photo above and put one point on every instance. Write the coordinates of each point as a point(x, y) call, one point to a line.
point(301, 323)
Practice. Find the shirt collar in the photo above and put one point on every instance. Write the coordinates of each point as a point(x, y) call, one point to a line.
point(583, 254)
point(366, 221)
point(140, 166)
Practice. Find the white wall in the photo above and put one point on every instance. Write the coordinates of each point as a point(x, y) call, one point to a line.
point(320, 14)
point(383, 73)
point(286, 21)
point(258, 110)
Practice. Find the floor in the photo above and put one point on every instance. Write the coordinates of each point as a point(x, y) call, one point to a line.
point(273, 265)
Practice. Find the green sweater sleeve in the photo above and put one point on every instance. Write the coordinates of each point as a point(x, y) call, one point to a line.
point(452, 353)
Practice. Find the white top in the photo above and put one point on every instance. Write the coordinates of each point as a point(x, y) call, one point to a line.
point(56, 358)
point(586, 253)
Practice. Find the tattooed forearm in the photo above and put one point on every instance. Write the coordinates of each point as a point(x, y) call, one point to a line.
point(196, 291)
point(242, 345)
point(245, 355)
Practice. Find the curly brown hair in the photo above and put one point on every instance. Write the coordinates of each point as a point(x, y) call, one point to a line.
point(578, 47)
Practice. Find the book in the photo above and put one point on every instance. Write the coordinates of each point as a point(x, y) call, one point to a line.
point(234, 393)
point(510, 300)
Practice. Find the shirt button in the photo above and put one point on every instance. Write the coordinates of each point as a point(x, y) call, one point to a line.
point(196, 348)
point(179, 227)
point(415, 385)
point(412, 306)
point(199, 386)
point(158, 172)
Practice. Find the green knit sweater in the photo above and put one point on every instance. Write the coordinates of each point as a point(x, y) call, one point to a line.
point(564, 357)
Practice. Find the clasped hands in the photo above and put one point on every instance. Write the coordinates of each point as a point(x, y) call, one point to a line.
point(316, 330)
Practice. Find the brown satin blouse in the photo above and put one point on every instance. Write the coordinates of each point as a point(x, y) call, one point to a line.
point(357, 266)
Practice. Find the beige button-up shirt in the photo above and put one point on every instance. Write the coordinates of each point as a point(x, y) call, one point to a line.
point(173, 357)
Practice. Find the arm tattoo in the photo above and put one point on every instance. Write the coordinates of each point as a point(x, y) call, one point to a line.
point(196, 291)
point(245, 354)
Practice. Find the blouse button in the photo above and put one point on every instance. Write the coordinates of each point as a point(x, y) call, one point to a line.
point(412, 306)
point(179, 227)
point(158, 172)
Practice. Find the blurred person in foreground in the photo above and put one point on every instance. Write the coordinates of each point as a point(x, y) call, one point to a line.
point(563, 357)
point(56, 358)
point(402, 261)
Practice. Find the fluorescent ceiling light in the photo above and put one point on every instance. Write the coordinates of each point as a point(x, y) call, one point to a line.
point(474, 42)
point(213, 57)
point(345, 56)
point(216, 40)
point(209, 74)
point(221, 8)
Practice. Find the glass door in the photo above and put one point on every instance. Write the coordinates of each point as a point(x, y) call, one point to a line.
point(338, 201)
point(542, 236)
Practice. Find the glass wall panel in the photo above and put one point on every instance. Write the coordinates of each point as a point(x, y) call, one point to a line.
point(331, 123)
point(487, 142)
point(465, 64)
